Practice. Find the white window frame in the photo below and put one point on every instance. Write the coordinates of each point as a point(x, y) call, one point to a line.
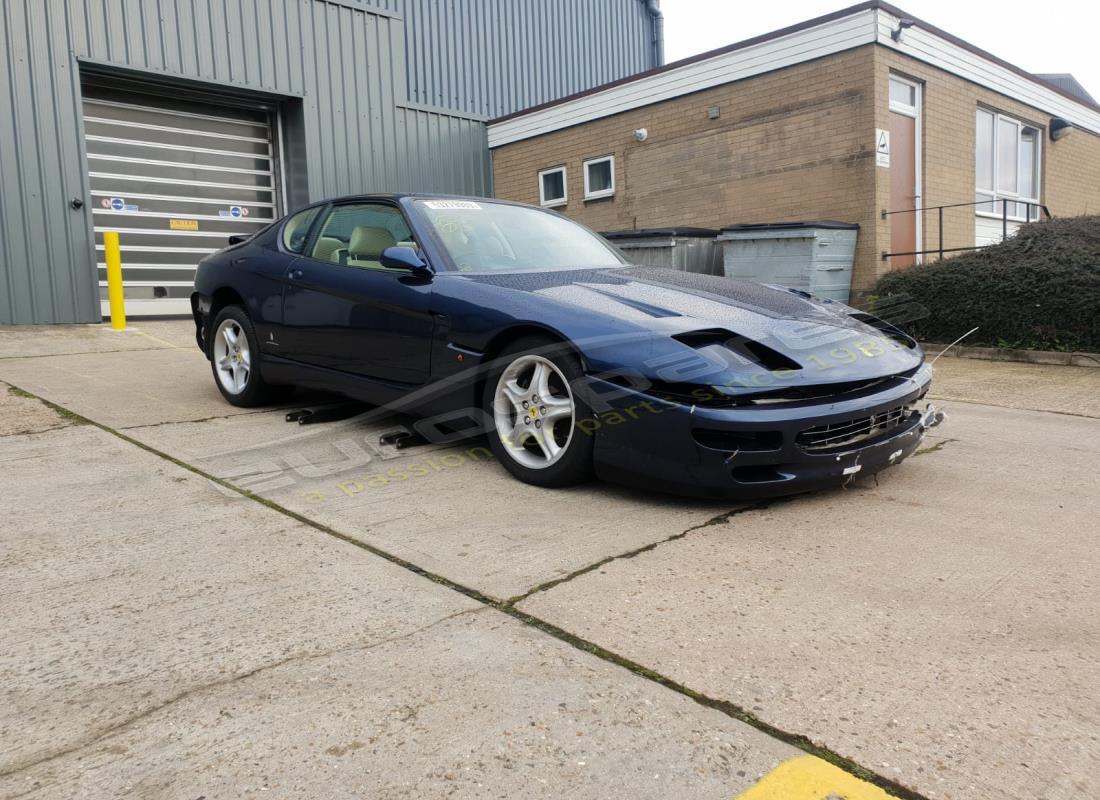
point(557, 201)
point(590, 195)
point(995, 195)
point(914, 111)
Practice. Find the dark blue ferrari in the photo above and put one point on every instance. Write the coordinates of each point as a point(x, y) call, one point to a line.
point(483, 316)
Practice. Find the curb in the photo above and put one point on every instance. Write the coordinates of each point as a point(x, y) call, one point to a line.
point(1022, 356)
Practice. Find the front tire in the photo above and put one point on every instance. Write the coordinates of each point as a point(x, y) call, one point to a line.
point(235, 360)
point(533, 397)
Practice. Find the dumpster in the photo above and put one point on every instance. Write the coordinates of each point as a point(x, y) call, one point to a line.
point(685, 249)
point(814, 256)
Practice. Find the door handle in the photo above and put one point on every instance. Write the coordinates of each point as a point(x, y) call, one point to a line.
point(295, 274)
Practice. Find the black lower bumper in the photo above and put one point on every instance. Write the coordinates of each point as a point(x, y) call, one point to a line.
point(751, 452)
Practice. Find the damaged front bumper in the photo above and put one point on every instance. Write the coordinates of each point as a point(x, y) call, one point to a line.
point(757, 451)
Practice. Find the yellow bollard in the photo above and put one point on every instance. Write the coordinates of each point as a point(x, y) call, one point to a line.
point(114, 280)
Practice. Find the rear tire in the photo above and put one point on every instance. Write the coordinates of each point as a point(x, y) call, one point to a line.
point(235, 361)
point(533, 395)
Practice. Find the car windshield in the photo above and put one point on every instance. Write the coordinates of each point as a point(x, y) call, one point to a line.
point(484, 236)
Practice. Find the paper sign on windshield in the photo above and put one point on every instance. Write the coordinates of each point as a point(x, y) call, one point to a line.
point(452, 205)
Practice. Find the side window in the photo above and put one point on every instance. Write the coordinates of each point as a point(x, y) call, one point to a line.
point(297, 227)
point(357, 233)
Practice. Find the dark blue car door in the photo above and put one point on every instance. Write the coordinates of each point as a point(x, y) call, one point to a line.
point(342, 310)
point(262, 267)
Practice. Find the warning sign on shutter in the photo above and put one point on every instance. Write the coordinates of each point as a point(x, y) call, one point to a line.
point(183, 224)
point(882, 148)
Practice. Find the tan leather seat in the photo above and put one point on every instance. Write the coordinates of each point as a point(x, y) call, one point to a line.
point(326, 249)
point(366, 246)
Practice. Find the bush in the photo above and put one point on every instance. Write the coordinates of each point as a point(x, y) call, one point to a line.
point(1038, 290)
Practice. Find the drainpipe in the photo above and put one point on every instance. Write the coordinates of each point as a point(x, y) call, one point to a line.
point(654, 9)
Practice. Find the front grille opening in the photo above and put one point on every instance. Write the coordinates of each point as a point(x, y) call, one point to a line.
point(734, 395)
point(734, 441)
point(822, 438)
point(690, 394)
point(759, 474)
point(818, 392)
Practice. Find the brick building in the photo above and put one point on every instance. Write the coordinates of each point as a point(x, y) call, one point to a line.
point(843, 117)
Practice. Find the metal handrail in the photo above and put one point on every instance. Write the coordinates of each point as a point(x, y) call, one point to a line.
point(941, 249)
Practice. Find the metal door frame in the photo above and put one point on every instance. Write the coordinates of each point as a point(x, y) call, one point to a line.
point(916, 113)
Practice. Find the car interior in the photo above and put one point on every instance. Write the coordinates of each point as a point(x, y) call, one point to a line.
point(356, 235)
point(474, 246)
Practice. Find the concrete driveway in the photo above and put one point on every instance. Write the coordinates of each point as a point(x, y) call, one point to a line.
point(205, 601)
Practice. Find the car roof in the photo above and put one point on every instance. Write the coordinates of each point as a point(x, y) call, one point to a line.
point(415, 196)
point(397, 197)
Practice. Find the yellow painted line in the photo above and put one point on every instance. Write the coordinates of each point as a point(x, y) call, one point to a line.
point(158, 339)
point(811, 778)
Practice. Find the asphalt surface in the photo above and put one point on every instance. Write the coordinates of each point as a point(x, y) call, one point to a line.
point(206, 601)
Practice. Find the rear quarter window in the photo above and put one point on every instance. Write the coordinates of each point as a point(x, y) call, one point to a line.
point(296, 230)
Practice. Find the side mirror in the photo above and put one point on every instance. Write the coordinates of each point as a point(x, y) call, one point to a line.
point(238, 238)
point(403, 258)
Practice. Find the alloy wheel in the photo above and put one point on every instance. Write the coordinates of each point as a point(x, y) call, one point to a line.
point(534, 411)
point(232, 356)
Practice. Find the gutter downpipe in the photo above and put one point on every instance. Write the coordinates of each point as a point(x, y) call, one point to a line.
point(654, 9)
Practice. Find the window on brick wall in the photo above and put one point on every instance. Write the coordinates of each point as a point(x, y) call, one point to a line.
point(599, 177)
point(553, 187)
point(1007, 155)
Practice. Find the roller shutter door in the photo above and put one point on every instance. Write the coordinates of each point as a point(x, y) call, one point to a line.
point(175, 179)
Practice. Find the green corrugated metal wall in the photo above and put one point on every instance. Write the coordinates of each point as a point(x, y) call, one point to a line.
point(366, 122)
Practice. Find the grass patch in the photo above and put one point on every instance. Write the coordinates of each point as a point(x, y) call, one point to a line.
point(63, 413)
point(15, 390)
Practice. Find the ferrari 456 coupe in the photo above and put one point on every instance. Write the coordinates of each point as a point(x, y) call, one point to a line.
point(488, 317)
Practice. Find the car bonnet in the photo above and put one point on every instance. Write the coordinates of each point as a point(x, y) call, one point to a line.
point(745, 333)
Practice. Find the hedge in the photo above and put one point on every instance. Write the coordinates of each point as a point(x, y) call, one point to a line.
point(1038, 290)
